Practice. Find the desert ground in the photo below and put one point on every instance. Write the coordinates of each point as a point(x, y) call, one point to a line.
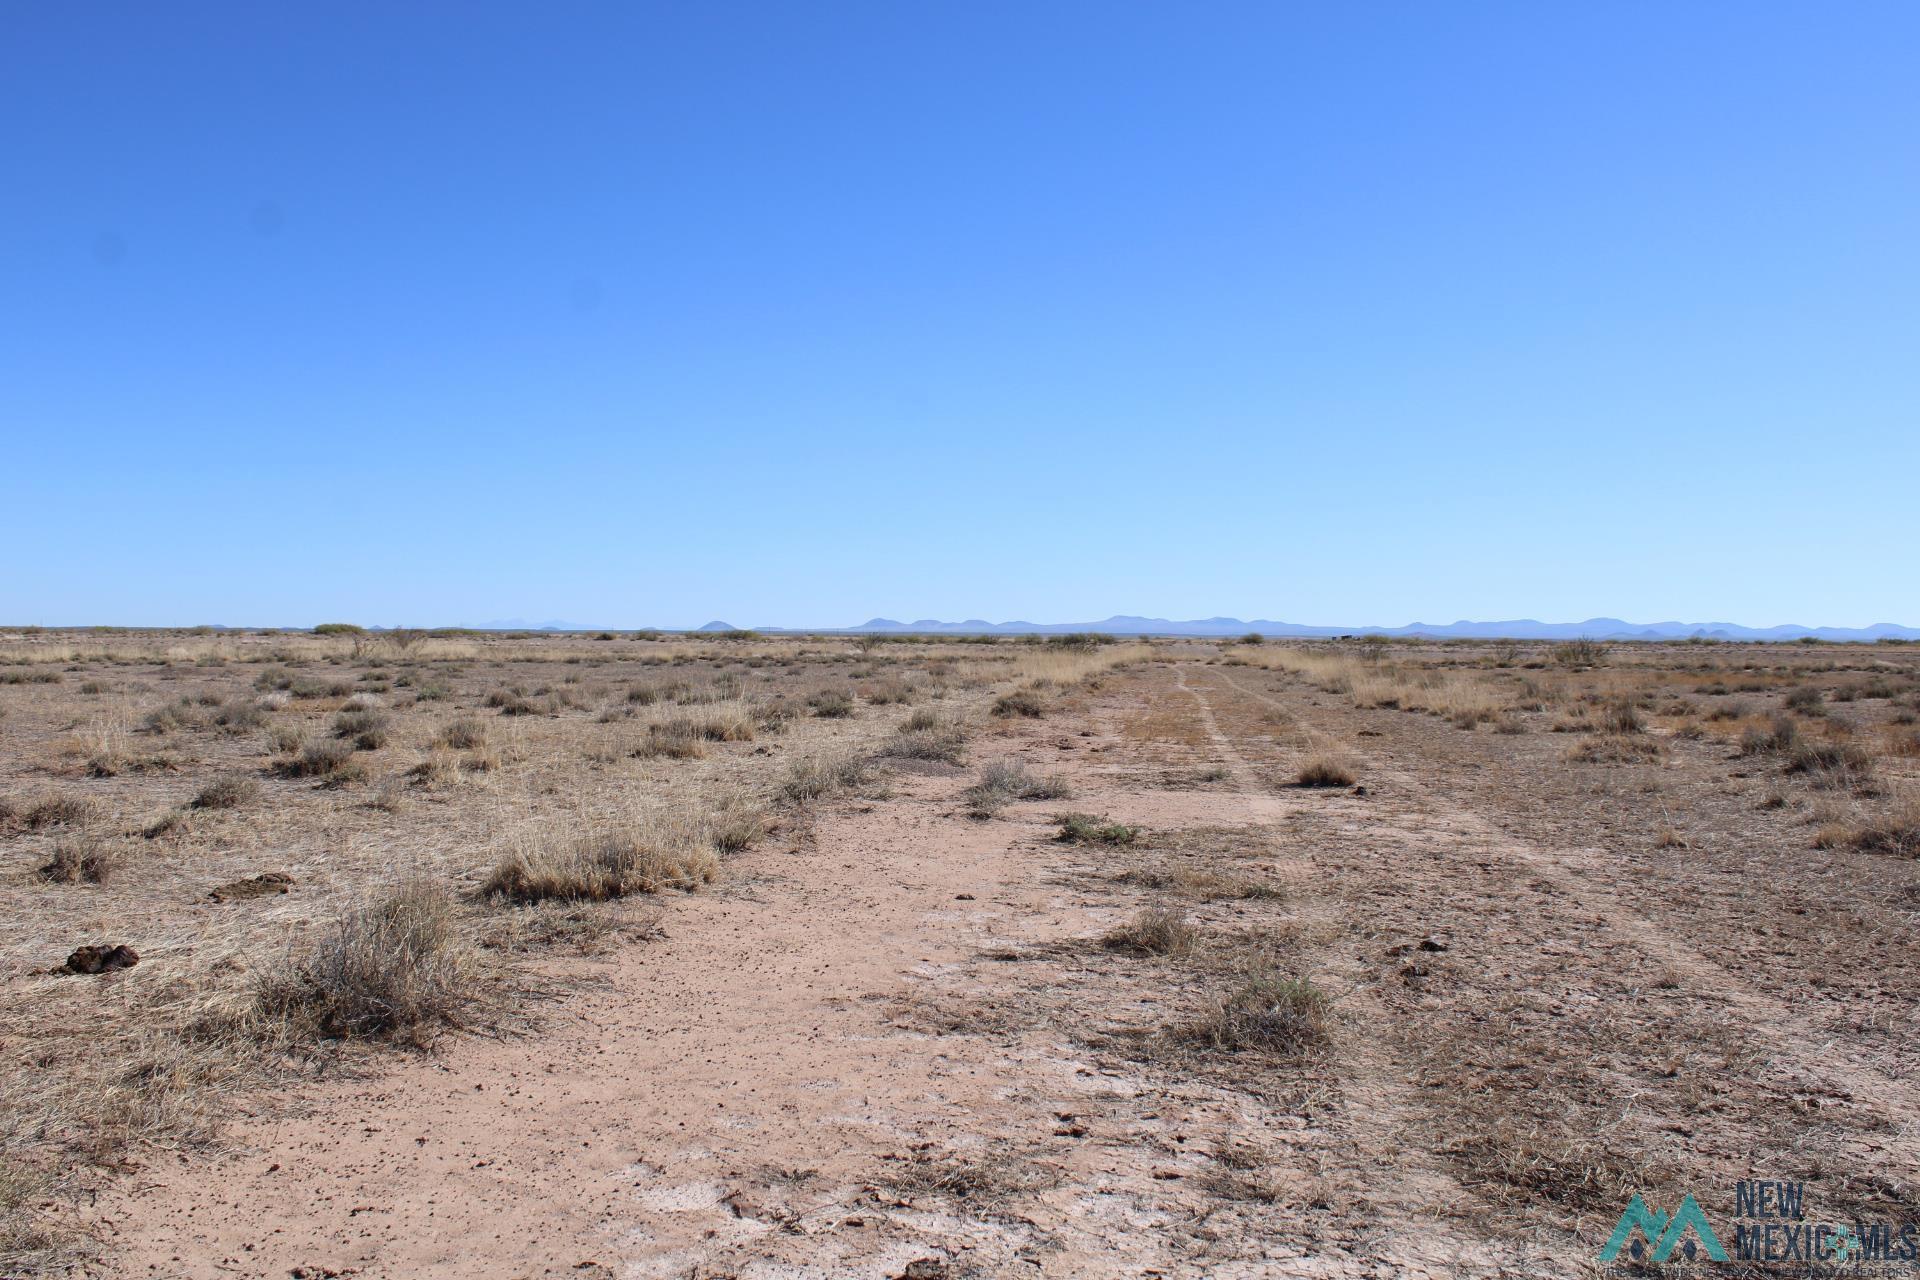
point(638, 955)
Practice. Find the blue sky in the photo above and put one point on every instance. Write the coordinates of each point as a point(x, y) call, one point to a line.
point(802, 313)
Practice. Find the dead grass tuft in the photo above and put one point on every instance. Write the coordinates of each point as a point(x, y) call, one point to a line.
point(823, 776)
point(1324, 770)
point(1265, 1011)
point(229, 792)
point(398, 967)
point(1158, 930)
point(648, 854)
point(79, 859)
point(1004, 781)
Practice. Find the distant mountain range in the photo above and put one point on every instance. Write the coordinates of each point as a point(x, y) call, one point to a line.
point(1129, 625)
point(1517, 629)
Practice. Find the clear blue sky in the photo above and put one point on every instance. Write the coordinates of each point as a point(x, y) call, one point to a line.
point(801, 313)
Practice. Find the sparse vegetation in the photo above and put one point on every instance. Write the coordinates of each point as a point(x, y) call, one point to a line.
point(1265, 1010)
point(1004, 781)
point(1084, 828)
point(229, 792)
point(1157, 930)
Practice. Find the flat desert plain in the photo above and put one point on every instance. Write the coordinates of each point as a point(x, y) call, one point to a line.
point(662, 956)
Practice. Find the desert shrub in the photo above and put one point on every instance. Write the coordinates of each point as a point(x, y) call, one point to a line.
point(1266, 1011)
point(1003, 781)
point(1324, 770)
point(287, 738)
point(890, 692)
point(1084, 828)
point(730, 723)
point(1806, 699)
point(1020, 702)
point(1614, 748)
point(229, 792)
point(928, 736)
point(463, 734)
point(339, 629)
point(643, 695)
point(736, 824)
point(366, 729)
point(1895, 832)
point(1780, 737)
point(241, 715)
point(1079, 640)
point(673, 741)
point(399, 966)
point(1156, 931)
point(832, 705)
point(1840, 766)
point(318, 759)
point(512, 702)
point(819, 777)
point(313, 687)
point(1621, 716)
point(178, 714)
point(1580, 653)
point(55, 811)
point(78, 859)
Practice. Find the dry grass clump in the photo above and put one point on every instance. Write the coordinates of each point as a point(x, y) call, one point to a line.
point(1834, 766)
point(229, 792)
point(977, 1180)
point(400, 966)
point(1895, 832)
point(365, 727)
point(1781, 736)
point(325, 758)
point(1265, 1010)
point(1157, 930)
point(1807, 699)
point(929, 736)
point(891, 692)
point(1519, 1160)
point(609, 860)
point(834, 704)
point(1204, 885)
point(463, 734)
point(1324, 770)
point(1084, 828)
point(722, 723)
point(79, 859)
point(49, 811)
point(819, 777)
point(1021, 702)
point(1004, 781)
point(1614, 748)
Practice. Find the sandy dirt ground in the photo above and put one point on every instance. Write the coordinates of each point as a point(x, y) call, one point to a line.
point(896, 1048)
